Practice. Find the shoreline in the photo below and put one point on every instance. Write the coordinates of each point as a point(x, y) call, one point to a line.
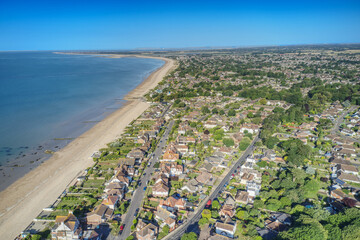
point(24, 199)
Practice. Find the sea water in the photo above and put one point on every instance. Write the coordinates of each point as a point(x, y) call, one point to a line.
point(47, 97)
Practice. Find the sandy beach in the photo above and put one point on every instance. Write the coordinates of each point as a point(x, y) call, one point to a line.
point(22, 201)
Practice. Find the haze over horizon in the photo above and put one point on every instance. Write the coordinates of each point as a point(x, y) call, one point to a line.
point(90, 25)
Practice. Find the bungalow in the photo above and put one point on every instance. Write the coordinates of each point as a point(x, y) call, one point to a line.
point(226, 229)
point(160, 190)
point(349, 169)
point(250, 128)
point(338, 194)
point(144, 138)
point(66, 227)
point(170, 156)
point(281, 217)
point(242, 197)
point(349, 177)
point(191, 186)
point(136, 154)
point(162, 214)
point(147, 232)
point(111, 201)
point(183, 149)
point(99, 215)
point(205, 178)
point(172, 204)
point(121, 178)
point(228, 208)
point(170, 222)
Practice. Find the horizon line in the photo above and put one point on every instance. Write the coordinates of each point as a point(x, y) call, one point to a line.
point(140, 49)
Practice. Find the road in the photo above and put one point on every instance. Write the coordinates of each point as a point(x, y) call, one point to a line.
point(192, 224)
point(339, 121)
point(138, 196)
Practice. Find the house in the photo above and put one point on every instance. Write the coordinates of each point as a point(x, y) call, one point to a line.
point(242, 197)
point(143, 138)
point(349, 177)
point(228, 208)
point(253, 188)
point(111, 201)
point(147, 232)
point(99, 215)
point(191, 186)
point(206, 178)
point(160, 190)
point(172, 204)
point(282, 218)
point(250, 128)
point(120, 177)
point(338, 194)
point(115, 188)
point(275, 226)
point(349, 169)
point(226, 229)
point(91, 234)
point(162, 214)
point(183, 149)
point(66, 227)
point(136, 154)
point(171, 222)
point(170, 156)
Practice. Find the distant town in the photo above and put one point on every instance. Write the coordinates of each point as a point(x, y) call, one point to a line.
point(255, 143)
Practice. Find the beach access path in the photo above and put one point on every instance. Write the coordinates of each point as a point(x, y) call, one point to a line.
point(22, 201)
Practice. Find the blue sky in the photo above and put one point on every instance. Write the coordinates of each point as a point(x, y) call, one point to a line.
point(75, 25)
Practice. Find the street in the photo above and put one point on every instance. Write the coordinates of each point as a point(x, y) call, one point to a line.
point(192, 224)
point(139, 193)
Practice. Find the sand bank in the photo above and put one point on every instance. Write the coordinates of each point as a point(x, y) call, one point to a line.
point(22, 201)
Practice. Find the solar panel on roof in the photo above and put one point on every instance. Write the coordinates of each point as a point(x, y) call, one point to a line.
point(340, 181)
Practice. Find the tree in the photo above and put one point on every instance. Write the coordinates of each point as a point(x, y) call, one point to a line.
point(215, 205)
point(164, 232)
point(271, 142)
point(206, 213)
point(228, 142)
point(131, 237)
point(273, 204)
point(285, 201)
point(242, 214)
point(221, 112)
point(203, 221)
point(231, 113)
point(189, 236)
point(334, 232)
point(258, 203)
point(263, 101)
point(351, 231)
point(205, 110)
point(311, 188)
point(36, 237)
point(244, 143)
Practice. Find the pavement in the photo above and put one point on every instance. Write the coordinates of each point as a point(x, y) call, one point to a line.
point(139, 193)
point(191, 225)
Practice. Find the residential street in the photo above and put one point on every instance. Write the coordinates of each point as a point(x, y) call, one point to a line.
point(339, 121)
point(139, 192)
point(191, 225)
